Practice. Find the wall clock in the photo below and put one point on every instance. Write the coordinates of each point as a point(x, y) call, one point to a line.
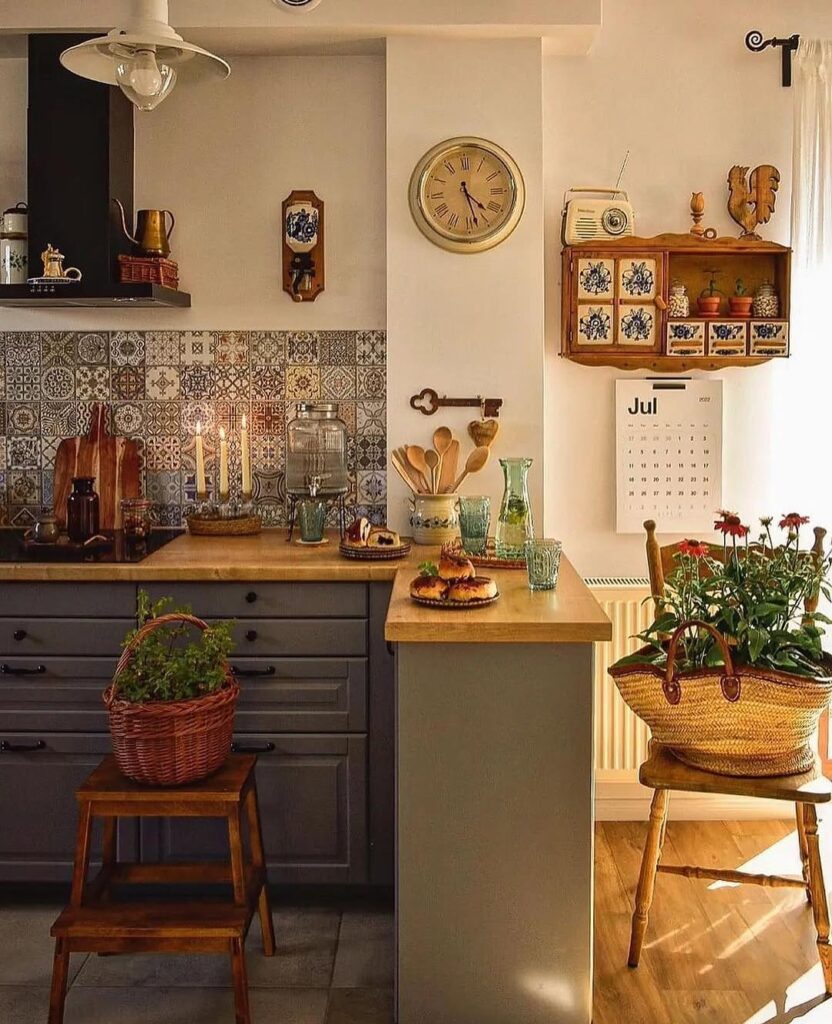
point(467, 195)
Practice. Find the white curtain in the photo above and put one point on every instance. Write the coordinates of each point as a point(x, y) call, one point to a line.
point(802, 392)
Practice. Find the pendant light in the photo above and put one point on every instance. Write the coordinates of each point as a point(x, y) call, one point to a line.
point(144, 58)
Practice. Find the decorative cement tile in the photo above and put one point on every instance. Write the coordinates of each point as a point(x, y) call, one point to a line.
point(163, 452)
point(58, 383)
point(196, 381)
point(372, 417)
point(92, 383)
point(371, 382)
point(337, 382)
point(127, 348)
point(24, 486)
point(198, 348)
point(23, 382)
point(22, 453)
point(371, 348)
point(267, 348)
point(59, 419)
point(162, 382)
point(231, 383)
point(338, 348)
point(128, 382)
point(162, 348)
point(162, 418)
point(302, 347)
point(23, 417)
point(94, 348)
point(268, 382)
point(58, 348)
point(268, 418)
point(22, 348)
point(128, 418)
point(232, 348)
point(303, 383)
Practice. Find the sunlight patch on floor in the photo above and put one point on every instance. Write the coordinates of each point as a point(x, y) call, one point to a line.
point(782, 858)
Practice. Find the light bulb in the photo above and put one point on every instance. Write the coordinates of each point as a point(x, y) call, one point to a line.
point(143, 80)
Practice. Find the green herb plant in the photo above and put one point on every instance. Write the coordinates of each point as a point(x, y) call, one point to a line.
point(165, 668)
point(428, 569)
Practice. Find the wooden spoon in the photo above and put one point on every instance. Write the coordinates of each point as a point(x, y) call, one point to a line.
point(402, 471)
point(450, 463)
point(473, 464)
point(432, 461)
point(442, 441)
point(416, 458)
point(400, 456)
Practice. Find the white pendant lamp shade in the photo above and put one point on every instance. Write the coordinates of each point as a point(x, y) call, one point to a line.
point(145, 58)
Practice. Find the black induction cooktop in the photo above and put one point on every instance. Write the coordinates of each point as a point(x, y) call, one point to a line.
point(117, 548)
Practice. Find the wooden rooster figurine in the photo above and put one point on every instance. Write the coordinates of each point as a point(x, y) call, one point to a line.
point(752, 203)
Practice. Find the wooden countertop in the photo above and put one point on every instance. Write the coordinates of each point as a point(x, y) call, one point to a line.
point(266, 557)
point(569, 614)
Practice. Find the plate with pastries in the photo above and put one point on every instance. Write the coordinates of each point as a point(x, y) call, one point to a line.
point(453, 584)
point(368, 543)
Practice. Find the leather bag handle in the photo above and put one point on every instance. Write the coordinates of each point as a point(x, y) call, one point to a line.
point(729, 682)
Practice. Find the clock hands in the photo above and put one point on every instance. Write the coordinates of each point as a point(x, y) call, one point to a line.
point(471, 199)
point(470, 204)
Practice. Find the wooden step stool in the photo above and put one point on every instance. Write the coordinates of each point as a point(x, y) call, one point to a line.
point(95, 923)
point(663, 772)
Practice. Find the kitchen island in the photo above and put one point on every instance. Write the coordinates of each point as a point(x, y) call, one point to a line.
point(493, 731)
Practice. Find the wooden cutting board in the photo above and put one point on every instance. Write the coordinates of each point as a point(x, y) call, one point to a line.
point(113, 461)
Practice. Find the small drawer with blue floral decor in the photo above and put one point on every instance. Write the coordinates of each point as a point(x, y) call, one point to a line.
point(686, 338)
point(727, 338)
point(769, 337)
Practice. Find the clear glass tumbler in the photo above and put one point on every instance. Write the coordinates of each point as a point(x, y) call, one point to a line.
point(474, 521)
point(312, 518)
point(543, 563)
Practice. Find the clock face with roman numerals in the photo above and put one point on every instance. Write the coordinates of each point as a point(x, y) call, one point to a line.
point(467, 195)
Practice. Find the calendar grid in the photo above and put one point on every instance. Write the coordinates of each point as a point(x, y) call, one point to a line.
point(668, 454)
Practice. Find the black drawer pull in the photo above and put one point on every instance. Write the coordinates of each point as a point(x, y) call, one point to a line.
point(10, 670)
point(21, 748)
point(253, 673)
point(252, 748)
point(251, 635)
point(251, 597)
point(20, 634)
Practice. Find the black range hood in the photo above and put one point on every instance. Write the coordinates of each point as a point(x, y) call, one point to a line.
point(80, 157)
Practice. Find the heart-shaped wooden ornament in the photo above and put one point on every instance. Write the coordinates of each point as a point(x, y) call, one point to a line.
point(483, 432)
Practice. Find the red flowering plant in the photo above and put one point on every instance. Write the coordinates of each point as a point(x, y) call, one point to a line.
point(754, 593)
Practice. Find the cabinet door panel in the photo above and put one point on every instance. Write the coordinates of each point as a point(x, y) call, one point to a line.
point(85, 600)
point(312, 792)
point(267, 600)
point(56, 694)
point(37, 804)
point(44, 637)
point(256, 638)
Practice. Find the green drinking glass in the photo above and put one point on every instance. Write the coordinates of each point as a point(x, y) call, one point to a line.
point(312, 517)
point(543, 563)
point(474, 521)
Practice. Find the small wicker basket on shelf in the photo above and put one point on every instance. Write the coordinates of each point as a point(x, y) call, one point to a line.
point(217, 526)
point(171, 743)
point(148, 270)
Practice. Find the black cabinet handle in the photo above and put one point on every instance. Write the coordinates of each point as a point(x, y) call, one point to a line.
point(251, 597)
point(251, 635)
point(391, 650)
point(9, 670)
point(253, 673)
point(20, 634)
point(21, 748)
point(252, 748)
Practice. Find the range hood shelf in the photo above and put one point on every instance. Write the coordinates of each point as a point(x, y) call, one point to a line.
point(123, 295)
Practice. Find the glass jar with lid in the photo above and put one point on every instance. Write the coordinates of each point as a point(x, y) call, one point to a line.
point(316, 454)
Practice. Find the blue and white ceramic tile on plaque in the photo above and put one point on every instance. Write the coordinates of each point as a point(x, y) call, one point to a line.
point(637, 325)
point(595, 325)
point(638, 278)
point(595, 279)
point(769, 338)
point(301, 227)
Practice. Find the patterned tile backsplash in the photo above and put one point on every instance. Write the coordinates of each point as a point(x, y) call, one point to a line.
point(158, 384)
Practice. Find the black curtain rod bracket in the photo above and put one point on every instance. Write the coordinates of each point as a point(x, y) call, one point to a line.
point(755, 42)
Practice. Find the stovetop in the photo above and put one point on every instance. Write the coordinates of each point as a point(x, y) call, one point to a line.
point(121, 549)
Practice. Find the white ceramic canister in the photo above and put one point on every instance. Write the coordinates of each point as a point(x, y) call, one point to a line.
point(16, 220)
point(434, 518)
point(14, 258)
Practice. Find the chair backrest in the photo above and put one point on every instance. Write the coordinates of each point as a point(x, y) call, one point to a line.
point(661, 560)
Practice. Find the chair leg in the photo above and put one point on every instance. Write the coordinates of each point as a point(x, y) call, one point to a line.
point(647, 877)
point(242, 1012)
point(60, 972)
point(804, 850)
point(820, 906)
point(258, 859)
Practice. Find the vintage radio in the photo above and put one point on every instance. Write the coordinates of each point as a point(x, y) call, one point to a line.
point(591, 220)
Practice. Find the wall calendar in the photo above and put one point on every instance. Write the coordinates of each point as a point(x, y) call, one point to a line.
point(668, 454)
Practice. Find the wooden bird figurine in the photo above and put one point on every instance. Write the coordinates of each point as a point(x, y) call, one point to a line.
point(752, 203)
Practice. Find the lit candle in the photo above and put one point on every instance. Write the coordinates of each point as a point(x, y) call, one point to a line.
point(201, 486)
point(223, 465)
point(245, 456)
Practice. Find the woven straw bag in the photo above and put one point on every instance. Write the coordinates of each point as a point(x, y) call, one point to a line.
point(733, 721)
point(171, 743)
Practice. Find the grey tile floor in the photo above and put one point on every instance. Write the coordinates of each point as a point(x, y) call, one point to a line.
point(333, 965)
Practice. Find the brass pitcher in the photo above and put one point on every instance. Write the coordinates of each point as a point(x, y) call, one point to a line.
point(152, 233)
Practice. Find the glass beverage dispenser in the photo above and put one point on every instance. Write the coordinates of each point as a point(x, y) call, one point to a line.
point(316, 457)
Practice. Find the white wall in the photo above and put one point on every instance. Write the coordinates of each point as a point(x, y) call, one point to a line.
point(673, 83)
point(223, 157)
point(465, 324)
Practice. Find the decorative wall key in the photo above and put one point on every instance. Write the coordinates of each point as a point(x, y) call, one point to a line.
point(428, 402)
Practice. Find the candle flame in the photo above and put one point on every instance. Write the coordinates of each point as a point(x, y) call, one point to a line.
point(222, 433)
point(198, 427)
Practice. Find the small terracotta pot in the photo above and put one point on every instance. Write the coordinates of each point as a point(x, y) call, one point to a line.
point(708, 304)
point(740, 305)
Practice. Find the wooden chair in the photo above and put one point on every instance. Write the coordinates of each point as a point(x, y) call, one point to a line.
point(94, 922)
point(664, 773)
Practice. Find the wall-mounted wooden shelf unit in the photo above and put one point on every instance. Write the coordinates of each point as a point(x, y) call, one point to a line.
point(615, 303)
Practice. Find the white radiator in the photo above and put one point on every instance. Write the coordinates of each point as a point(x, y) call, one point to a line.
point(620, 737)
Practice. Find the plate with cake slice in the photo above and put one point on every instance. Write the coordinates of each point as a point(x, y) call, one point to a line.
point(368, 543)
point(453, 584)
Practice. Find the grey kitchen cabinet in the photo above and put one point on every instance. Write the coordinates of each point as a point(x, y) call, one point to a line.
point(316, 698)
point(39, 773)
